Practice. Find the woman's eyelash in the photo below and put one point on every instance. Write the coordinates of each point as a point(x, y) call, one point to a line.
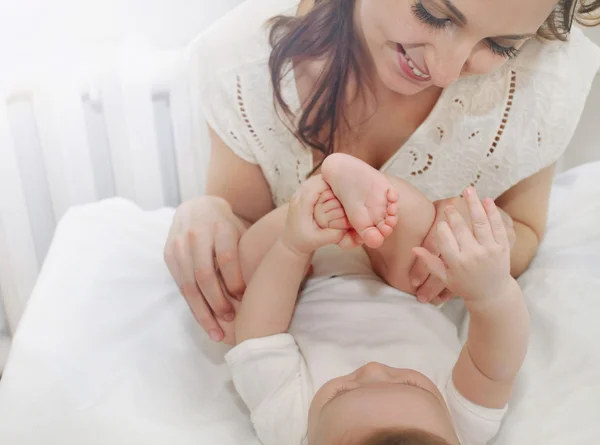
point(425, 16)
point(499, 50)
point(435, 22)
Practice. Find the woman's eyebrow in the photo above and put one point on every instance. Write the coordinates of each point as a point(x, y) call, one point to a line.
point(459, 15)
point(461, 18)
point(517, 36)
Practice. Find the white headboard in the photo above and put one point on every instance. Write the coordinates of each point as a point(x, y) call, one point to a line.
point(94, 103)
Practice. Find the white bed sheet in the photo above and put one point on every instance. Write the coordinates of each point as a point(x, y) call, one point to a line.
point(108, 353)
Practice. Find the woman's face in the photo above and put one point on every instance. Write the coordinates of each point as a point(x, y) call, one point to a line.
point(415, 44)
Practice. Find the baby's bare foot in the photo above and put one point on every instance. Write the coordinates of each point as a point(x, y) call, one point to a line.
point(366, 195)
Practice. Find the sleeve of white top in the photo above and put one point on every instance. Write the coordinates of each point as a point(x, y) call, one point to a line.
point(565, 72)
point(270, 375)
point(474, 424)
point(214, 97)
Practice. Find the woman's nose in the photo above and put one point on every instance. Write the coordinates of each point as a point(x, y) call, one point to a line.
point(448, 61)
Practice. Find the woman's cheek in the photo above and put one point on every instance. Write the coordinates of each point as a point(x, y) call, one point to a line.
point(483, 61)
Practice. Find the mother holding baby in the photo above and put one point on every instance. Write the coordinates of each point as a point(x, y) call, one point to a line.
point(440, 93)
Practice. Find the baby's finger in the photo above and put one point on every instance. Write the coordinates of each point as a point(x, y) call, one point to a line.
point(351, 240)
point(445, 296)
point(463, 236)
point(496, 222)
point(419, 273)
point(481, 225)
point(310, 193)
point(434, 264)
point(447, 244)
point(328, 205)
point(331, 236)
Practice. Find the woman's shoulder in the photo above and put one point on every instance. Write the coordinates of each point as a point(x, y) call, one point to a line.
point(238, 39)
point(573, 62)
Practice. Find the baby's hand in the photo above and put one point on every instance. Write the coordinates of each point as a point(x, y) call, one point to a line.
point(302, 233)
point(474, 264)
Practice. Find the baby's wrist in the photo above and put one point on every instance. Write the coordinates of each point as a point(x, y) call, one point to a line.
point(291, 248)
point(507, 292)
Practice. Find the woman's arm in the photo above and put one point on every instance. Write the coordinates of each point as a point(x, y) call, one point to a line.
point(202, 251)
point(527, 204)
point(238, 182)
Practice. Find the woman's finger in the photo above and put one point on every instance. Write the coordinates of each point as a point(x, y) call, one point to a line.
point(479, 218)
point(497, 223)
point(462, 234)
point(206, 276)
point(171, 261)
point(189, 288)
point(227, 240)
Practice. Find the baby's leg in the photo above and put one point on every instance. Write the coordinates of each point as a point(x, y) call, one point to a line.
point(378, 202)
point(394, 259)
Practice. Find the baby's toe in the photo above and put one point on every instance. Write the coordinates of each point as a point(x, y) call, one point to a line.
point(392, 209)
point(392, 194)
point(391, 220)
point(372, 237)
point(385, 229)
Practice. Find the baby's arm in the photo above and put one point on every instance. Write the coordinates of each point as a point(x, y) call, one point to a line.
point(495, 349)
point(270, 298)
point(476, 266)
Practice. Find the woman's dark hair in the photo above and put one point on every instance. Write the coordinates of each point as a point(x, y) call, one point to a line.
point(326, 33)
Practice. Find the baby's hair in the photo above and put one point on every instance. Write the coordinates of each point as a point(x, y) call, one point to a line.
point(404, 437)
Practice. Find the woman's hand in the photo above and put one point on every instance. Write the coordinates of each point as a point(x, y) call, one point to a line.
point(431, 289)
point(201, 253)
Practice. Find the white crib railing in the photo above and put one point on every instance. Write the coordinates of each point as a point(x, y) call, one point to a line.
point(118, 125)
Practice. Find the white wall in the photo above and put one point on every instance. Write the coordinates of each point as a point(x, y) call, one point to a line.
point(585, 146)
point(51, 24)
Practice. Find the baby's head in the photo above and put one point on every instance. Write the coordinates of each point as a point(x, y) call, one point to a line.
point(380, 405)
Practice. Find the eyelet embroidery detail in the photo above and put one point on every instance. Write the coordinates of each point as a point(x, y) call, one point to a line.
point(478, 177)
point(424, 168)
point(441, 131)
point(245, 117)
point(509, 102)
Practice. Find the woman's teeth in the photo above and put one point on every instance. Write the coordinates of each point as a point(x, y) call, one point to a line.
point(414, 69)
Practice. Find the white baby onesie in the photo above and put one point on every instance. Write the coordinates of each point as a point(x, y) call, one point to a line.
point(347, 317)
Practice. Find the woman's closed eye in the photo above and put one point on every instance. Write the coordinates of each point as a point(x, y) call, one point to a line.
point(439, 22)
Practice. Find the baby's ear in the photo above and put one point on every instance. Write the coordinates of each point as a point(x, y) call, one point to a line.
point(434, 264)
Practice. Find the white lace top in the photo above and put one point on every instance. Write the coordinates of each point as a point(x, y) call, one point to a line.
point(489, 131)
